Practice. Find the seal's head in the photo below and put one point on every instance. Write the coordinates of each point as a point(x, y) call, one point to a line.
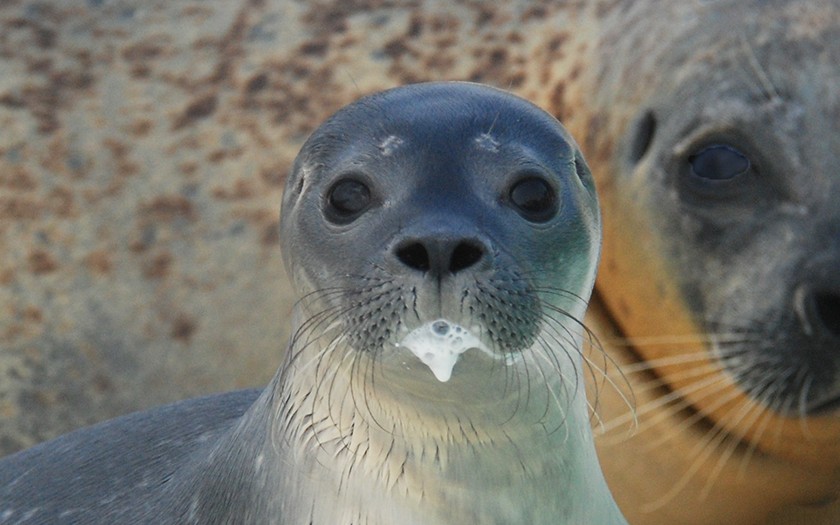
point(444, 239)
point(719, 183)
point(438, 218)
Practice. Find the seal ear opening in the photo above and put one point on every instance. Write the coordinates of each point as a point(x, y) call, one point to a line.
point(583, 172)
point(644, 129)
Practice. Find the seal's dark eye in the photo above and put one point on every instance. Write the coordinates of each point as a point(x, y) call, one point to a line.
point(346, 200)
point(718, 162)
point(534, 199)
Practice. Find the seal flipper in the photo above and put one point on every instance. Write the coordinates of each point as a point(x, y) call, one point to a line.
point(107, 473)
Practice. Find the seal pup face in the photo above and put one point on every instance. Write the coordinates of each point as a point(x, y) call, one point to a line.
point(444, 238)
point(449, 226)
point(721, 207)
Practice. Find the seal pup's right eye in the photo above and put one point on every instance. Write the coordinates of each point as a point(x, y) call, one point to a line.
point(534, 198)
point(346, 200)
point(718, 162)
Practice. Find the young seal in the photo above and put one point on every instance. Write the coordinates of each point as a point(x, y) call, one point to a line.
point(443, 239)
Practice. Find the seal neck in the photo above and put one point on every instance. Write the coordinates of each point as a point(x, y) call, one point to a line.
point(385, 457)
point(425, 451)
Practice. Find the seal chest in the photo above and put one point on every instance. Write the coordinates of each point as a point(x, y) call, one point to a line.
point(443, 240)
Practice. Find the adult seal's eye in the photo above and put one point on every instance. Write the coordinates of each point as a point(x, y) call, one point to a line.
point(346, 200)
point(534, 198)
point(718, 163)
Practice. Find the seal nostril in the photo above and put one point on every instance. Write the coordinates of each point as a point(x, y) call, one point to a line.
point(827, 307)
point(414, 256)
point(439, 256)
point(464, 255)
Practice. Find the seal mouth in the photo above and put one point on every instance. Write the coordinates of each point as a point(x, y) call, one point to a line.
point(825, 406)
point(440, 343)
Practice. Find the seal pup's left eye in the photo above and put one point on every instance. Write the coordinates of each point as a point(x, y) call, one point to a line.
point(346, 200)
point(534, 198)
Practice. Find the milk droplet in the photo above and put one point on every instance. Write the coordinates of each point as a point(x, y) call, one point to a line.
point(439, 344)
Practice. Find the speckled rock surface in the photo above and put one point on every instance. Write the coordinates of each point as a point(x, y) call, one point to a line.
point(143, 149)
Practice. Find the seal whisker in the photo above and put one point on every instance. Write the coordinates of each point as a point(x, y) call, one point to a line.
point(300, 341)
point(561, 405)
point(344, 436)
point(626, 394)
point(662, 401)
point(781, 374)
point(558, 292)
point(324, 323)
point(696, 370)
point(701, 452)
point(784, 407)
point(756, 388)
point(328, 422)
point(742, 421)
point(368, 385)
point(608, 359)
point(318, 358)
point(775, 403)
point(523, 378)
point(717, 401)
point(768, 89)
point(709, 444)
point(559, 337)
point(689, 358)
point(771, 401)
point(682, 339)
point(807, 383)
point(570, 339)
point(512, 375)
point(687, 365)
point(665, 401)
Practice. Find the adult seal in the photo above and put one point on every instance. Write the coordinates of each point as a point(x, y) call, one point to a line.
point(443, 239)
point(716, 165)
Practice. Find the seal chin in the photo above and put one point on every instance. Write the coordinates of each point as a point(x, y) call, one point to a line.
point(440, 343)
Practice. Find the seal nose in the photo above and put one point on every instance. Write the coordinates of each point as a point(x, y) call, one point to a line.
point(827, 311)
point(441, 256)
point(821, 311)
